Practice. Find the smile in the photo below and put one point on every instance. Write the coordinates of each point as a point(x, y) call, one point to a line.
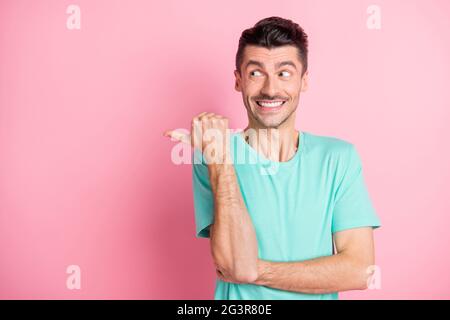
point(270, 105)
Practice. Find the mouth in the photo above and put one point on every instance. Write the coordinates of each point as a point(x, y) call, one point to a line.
point(270, 105)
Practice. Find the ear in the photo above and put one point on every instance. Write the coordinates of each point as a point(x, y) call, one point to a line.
point(305, 81)
point(237, 84)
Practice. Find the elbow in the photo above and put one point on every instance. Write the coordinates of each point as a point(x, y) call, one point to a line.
point(364, 276)
point(237, 273)
point(236, 270)
point(360, 270)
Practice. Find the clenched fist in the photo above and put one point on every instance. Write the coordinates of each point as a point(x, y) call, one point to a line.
point(210, 134)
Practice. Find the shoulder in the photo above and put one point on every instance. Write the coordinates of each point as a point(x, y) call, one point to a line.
point(341, 154)
point(327, 145)
point(334, 153)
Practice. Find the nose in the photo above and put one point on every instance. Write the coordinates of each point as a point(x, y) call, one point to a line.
point(270, 87)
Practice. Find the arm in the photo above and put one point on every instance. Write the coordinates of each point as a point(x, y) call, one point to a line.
point(346, 270)
point(233, 240)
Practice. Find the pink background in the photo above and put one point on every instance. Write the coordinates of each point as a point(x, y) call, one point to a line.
point(86, 176)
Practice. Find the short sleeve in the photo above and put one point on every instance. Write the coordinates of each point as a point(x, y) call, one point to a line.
point(203, 196)
point(353, 207)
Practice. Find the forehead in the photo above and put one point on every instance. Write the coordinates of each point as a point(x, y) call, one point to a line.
point(269, 57)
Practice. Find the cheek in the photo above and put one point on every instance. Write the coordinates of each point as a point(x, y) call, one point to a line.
point(293, 88)
point(251, 89)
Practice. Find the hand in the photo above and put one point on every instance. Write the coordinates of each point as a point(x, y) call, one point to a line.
point(209, 133)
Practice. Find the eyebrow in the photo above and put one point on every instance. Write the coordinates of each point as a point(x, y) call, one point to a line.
point(278, 65)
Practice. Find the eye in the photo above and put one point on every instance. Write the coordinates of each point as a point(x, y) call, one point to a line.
point(252, 73)
point(287, 72)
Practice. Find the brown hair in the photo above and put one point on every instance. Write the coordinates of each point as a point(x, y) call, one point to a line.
point(274, 32)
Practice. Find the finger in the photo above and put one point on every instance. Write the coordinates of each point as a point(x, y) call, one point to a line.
point(207, 115)
point(199, 115)
point(202, 113)
point(196, 120)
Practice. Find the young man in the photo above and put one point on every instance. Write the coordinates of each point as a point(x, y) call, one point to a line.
point(303, 230)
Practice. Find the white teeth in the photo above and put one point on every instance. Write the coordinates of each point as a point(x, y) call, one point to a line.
point(270, 104)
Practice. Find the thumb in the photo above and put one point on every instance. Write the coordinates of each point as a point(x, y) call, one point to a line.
point(179, 136)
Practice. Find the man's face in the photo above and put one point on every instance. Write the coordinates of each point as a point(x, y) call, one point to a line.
point(270, 75)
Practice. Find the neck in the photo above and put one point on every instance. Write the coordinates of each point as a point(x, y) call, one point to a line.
point(276, 144)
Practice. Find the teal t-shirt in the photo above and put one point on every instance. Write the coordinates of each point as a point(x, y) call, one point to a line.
point(295, 206)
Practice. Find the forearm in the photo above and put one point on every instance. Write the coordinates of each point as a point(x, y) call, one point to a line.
point(233, 239)
point(329, 274)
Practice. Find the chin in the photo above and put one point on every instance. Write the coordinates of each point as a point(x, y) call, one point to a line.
point(270, 124)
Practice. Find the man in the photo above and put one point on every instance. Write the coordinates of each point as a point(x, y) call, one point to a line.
point(303, 230)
